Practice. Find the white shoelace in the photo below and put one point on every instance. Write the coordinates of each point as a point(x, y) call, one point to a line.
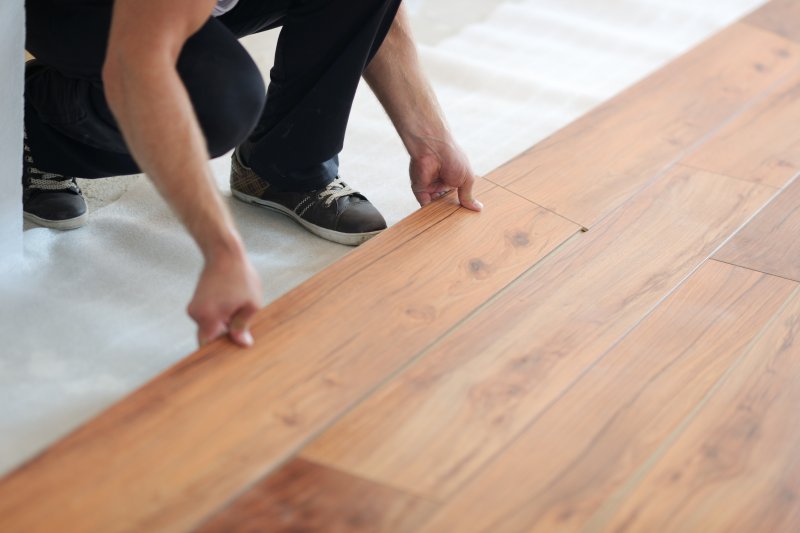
point(51, 182)
point(335, 190)
point(47, 181)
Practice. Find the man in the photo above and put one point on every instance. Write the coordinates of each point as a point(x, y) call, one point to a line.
point(122, 86)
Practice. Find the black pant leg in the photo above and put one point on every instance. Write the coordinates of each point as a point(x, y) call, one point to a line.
point(68, 124)
point(323, 49)
point(70, 129)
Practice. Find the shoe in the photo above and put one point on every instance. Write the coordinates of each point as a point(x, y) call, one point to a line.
point(51, 200)
point(336, 212)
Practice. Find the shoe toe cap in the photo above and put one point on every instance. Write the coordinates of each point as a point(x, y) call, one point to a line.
point(56, 205)
point(360, 217)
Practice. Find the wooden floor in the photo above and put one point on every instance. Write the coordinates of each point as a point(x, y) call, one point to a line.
point(613, 345)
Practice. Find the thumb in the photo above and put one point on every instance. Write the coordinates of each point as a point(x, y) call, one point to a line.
point(239, 330)
point(465, 197)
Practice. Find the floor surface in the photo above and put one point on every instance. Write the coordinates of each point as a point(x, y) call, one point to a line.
point(99, 311)
point(612, 346)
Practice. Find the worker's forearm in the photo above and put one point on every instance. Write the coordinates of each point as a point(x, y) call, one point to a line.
point(157, 119)
point(396, 77)
point(155, 115)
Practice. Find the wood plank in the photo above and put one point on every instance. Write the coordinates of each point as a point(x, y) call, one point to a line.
point(591, 440)
point(438, 423)
point(595, 164)
point(185, 443)
point(778, 16)
point(736, 467)
point(770, 242)
point(304, 496)
point(318, 286)
point(762, 144)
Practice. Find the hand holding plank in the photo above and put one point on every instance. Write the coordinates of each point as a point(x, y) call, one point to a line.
point(227, 298)
point(438, 168)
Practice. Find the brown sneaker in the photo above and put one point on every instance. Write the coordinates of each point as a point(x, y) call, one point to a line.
point(336, 212)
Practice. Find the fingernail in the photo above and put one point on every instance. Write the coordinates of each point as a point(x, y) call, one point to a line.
point(478, 203)
point(247, 337)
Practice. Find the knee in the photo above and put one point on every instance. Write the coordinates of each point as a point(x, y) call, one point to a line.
point(228, 102)
point(229, 107)
point(227, 92)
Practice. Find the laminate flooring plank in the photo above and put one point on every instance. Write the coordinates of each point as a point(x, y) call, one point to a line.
point(595, 164)
point(778, 16)
point(175, 450)
point(736, 467)
point(762, 144)
point(770, 242)
point(438, 423)
point(559, 472)
point(319, 286)
point(303, 496)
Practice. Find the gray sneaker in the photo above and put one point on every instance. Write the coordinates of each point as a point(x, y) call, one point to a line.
point(335, 212)
point(51, 200)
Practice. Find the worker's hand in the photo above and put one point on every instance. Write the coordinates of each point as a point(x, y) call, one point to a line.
point(438, 167)
point(226, 299)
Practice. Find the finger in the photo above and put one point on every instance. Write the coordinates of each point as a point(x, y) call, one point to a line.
point(465, 197)
point(423, 197)
point(239, 330)
point(209, 330)
point(441, 194)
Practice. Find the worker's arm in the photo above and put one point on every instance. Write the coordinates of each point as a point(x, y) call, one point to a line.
point(155, 114)
point(437, 163)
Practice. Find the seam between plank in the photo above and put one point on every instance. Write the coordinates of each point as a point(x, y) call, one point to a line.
point(737, 178)
point(683, 154)
point(737, 265)
point(296, 451)
point(613, 345)
point(612, 504)
point(694, 147)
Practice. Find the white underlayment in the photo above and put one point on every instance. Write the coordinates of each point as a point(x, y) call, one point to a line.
point(11, 40)
point(99, 311)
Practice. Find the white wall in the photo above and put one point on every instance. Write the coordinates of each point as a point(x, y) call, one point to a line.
point(12, 30)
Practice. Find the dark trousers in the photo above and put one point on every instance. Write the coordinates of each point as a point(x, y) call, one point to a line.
point(292, 139)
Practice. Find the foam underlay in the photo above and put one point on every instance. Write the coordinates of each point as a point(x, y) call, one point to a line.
point(99, 311)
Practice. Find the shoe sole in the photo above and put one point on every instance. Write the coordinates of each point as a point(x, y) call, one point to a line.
point(348, 239)
point(62, 225)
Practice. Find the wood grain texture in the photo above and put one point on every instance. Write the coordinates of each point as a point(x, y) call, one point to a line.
point(592, 166)
point(559, 472)
point(221, 419)
point(778, 16)
point(303, 496)
point(762, 144)
point(736, 467)
point(437, 424)
point(771, 241)
point(318, 286)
